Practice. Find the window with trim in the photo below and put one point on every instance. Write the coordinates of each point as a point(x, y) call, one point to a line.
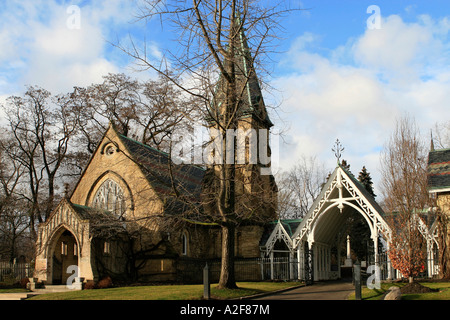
point(109, 150)
point(110, 197)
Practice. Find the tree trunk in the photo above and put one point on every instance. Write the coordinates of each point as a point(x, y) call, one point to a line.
point(444, 254)
point(227, 278)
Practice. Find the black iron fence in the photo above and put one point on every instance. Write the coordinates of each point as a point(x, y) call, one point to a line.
point(10, 271)
point(284, 268)
point(256, 269)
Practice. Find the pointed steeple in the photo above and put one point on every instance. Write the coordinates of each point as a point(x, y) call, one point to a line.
point(432, 141)
point(248, 86)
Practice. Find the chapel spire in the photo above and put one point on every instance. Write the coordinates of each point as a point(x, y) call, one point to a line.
point(248, 87)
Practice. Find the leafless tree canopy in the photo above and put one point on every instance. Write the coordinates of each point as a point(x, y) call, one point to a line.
point(148, 111)
point(208, 36)
point(222, 46)
point(441, 135)
point(404, 188)
point(404, 169)
point(299, 187)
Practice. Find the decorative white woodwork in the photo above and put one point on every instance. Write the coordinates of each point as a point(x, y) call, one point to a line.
point(340, 191)
point(279, 233)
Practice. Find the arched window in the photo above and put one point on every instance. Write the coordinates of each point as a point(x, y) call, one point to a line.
point(110, 197)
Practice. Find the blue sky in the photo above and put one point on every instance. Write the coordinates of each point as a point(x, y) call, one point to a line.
point(335, 78)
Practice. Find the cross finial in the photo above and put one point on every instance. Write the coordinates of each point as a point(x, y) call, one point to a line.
point(337, 149)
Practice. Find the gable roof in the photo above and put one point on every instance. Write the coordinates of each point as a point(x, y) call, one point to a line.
point(159, 169)
point(368, 197)
point(154, 165)
point(331, 200)
point(439, 170)
point(289, 226)
point(82, 213)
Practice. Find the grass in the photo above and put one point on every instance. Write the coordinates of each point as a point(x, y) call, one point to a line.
point(14, 290)
point(168, 292)
point(377, 294)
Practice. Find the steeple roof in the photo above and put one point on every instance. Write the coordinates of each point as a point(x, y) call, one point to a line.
point(248, 85)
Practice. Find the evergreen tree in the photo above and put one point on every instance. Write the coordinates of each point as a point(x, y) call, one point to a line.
point(358, 228)
point(345, 165)
point(366, 180)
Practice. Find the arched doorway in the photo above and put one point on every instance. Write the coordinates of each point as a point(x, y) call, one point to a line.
point(343, 207)
point(64, 254)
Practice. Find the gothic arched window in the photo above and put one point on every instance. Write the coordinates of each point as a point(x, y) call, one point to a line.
point(110, 197)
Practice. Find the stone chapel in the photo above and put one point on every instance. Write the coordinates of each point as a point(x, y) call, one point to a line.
point(115, 223)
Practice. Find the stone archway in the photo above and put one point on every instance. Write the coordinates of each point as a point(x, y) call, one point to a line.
point(63, 253)
point(64, 240)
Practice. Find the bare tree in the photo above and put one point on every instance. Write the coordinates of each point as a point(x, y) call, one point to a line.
point(41, 127)
point(14, 226)
point(223, 44)
point(145, 111)
point(441, 137)
point(10, 170)
point(299, 187)
point(404, 188)
point(443, 224)
point(13, 211)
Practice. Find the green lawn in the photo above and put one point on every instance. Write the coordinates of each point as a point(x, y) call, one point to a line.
point(15, 290)
point(167, 292)
point(376, 294)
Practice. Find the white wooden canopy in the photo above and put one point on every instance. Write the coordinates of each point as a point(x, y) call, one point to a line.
point(324, 225)
point(341, 194)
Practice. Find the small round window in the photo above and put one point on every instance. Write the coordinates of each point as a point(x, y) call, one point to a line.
point(109, 150)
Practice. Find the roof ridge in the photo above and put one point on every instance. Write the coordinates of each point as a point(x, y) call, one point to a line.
point(143, 144)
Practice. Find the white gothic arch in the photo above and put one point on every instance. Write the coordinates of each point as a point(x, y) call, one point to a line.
point(341, 190)
point(319, 227)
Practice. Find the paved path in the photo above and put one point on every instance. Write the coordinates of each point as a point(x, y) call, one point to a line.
point(24, 295)
point(329, 290)
point(13, 296)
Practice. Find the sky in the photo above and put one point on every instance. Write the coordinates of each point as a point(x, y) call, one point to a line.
point(346, 69)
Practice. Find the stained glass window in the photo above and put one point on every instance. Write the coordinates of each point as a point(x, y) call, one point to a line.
point(110, 197)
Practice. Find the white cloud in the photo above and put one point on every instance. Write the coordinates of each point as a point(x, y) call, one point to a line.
point(356, 93)
point(41, 49)
point(394, 48)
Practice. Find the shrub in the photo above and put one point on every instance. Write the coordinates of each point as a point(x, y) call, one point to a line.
point(90, 285)
point(24, 282)
point(105, 282)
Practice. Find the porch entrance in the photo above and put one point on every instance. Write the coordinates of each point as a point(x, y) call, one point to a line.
point(65, 254)
point(343, 213)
